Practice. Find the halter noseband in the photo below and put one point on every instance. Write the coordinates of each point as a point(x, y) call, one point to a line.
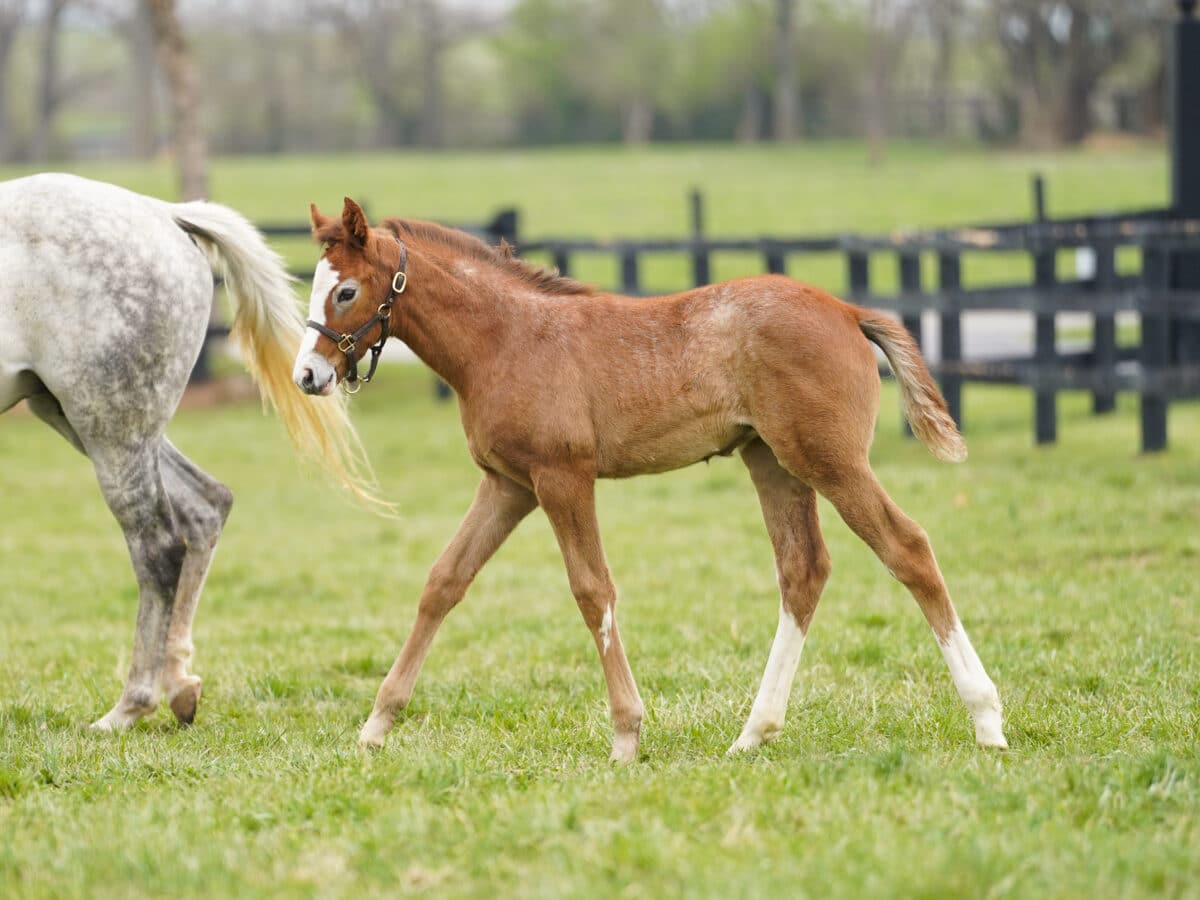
point(348, 343)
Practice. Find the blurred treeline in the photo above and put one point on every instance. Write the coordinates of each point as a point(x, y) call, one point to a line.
point(79, 77)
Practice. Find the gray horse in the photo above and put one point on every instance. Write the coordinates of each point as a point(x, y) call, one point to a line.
point(104, 302)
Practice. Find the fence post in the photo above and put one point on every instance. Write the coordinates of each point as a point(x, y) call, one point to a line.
point(858, 274)
point(1104, 329)
point(562, 260)
point(1045, 430)
point(701, 274)
point(1038, 185)
point(774, 257)
point(1183, 70)
point(504, 226)
point(629, 271)
point(1156, 274)
point(910, 284)
point(949, 283)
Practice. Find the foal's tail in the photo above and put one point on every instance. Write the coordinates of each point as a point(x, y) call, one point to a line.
point(924, 406)
point(268, 328)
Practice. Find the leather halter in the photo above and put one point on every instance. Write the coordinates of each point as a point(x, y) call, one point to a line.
point(348, 343)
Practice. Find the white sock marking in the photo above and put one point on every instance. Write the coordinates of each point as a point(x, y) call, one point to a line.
point(770, 706)
point(974, 687)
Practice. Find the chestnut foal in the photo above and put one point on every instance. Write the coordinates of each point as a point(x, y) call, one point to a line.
point(559, 385)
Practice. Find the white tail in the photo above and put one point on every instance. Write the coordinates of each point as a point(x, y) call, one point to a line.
point(267, 327)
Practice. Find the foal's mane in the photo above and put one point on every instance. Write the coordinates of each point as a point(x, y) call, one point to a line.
point(541, 279)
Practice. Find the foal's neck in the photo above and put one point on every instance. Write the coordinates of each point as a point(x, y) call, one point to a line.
point(450, 315)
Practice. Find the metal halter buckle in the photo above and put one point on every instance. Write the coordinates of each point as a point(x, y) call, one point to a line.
point(346, 344)
point(402, 278)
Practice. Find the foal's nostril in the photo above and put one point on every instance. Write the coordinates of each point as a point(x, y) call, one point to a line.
point(306, 380)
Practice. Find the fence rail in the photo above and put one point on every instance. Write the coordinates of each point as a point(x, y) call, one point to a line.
point(1159, 369)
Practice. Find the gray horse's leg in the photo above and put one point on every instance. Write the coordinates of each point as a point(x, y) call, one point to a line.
point(46, 407)
point(201, 505)
point(134, 490)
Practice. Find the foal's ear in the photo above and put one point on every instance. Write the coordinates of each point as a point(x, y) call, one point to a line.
point(318, 220)
point(354, 220)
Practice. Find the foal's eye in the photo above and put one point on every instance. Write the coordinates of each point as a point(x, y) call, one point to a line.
point(346, 294)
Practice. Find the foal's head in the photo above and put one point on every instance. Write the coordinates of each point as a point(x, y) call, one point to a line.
point(354, 279)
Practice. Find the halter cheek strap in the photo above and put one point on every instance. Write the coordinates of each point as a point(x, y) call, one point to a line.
point(348, 343)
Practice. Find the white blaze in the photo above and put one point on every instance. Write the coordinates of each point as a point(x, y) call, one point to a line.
point(325, 279)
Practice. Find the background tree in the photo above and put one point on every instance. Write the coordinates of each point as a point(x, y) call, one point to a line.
point(889, 26)
point(191, 151)
point(785, 104)
point(12, 14)
point(49, 95)
point(1057, 55)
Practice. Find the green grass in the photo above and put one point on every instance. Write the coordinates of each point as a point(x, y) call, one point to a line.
point(808, 188)
point(1074, 567)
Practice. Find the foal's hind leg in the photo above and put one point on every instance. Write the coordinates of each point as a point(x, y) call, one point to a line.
point(133, 489)
point(802, 565)
point(201, 505)
point(904, 548)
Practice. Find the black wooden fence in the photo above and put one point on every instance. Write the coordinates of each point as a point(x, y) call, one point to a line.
point(1162, 367)
point(1157, 368)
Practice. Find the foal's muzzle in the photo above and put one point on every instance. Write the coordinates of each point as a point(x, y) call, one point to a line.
point(315, 375)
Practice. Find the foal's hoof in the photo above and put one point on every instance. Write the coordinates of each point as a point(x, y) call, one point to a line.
point(625, 748)
point(373, 735)
point(754, 736)
point(988, 731)
point(185, 700)
point(744, 744)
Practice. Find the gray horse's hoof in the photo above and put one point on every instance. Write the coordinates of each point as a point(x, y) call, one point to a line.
point(185, 701)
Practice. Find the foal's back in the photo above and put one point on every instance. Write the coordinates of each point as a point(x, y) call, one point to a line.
point(664, 382)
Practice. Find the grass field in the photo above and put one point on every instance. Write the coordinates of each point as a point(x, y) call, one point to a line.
point(1075, 569)
point(817, 188)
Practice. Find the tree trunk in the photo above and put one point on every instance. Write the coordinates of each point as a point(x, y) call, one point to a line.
point(10, 22)
point(1037, 121)
point(174, 58)
point(785, 120)
point(639, 122)
point(749, 125)
point(1073, 119)
point(875, 108)
point(432, 52)
point(945, 40)
point(143, 118)
point(47, 98)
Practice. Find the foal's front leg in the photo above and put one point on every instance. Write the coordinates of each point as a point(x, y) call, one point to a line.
point(498, 507)
point(569, 501)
